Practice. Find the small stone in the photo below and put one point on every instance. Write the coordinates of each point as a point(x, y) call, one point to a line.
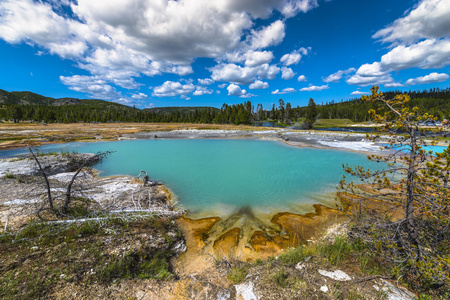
point(324, 288)
point(336, 275)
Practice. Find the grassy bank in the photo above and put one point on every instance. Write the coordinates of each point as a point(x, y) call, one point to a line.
point(42, 256)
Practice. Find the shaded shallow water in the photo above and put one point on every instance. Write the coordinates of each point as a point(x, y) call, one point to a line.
point(219, 177)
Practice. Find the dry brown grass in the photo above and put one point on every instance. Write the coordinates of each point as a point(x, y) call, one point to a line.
point(23, 134)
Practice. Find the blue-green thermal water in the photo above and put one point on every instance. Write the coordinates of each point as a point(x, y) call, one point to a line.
point(220, 176)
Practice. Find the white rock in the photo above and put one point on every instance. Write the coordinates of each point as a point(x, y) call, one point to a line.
point(358, 146)
point(324, 288)
point(336, 275)
point(393, 292)
point(244, 291)
point(21, 201)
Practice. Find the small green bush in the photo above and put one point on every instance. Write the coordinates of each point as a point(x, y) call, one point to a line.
point(336, 252)
point(9, 175)
point(237, 275)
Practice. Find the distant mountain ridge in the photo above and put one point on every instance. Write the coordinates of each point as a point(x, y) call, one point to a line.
point(30, 98)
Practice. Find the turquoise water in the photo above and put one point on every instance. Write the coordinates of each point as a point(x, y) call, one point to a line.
point(220, 176)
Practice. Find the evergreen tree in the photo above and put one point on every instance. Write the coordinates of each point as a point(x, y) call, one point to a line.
point(311, 114)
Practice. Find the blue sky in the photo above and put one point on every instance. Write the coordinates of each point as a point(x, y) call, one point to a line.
point(205, 53)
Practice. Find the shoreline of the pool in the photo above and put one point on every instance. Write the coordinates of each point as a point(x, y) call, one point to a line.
point(348, 141)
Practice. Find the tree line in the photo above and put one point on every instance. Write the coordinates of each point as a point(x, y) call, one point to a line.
point(433, 101)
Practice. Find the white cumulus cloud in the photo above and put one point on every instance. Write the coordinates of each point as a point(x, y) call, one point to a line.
point(359, 93)
point(173, 89)
point(301, 78)
point(283, 91)
point(242, 75)
point(335, 77)
point(205, 81)
point(268, 36)
point(420, 39)
point(140, 37)
point(235, 90)
point(287, 73)
point(257, 58)
point(94, 86)
point(294, 57)
point(313, 88)
point(201, 90)
point(428, 20)
point(258, 84)
point(430, 78)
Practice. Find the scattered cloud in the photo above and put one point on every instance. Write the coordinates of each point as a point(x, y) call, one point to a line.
point(200, 91)
point(242, 75)
point(302, 78)
point(173, 89)
point(313, 88)
point(292, 8)
point(140, 96)
point(284, 91)
point(271, 35)
point(420, 39)
point(394, 84)
point(258, 84)
point(294, 57)
point(131, 38)
point(235, 90)
point(428, 54)
point(359, 93)
point(287, 73)
point(335, 77)
point(430, 78)
point(370, 80)
point(206, 81)
point(91, 85)
point(257, 58)
point(428, 20)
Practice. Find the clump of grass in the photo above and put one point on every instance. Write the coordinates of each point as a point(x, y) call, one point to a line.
point(338, 251)
point(135, 265)
point(298, 254)
point(237, 275)
point(280, 278)
point(9, 175)
point(258, 262)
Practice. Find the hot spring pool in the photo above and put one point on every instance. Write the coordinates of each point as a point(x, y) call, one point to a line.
point(218, 177)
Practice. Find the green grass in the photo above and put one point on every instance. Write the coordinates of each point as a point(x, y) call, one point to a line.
point(237, 274)
point(63, 153)
point(9, 175)
point(326, 123)
point(298, 254)
point(337, 252)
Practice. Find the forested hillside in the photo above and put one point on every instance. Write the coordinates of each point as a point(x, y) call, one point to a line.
point(20, 106)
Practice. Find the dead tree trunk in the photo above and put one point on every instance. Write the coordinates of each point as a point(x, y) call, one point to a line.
point(49, 193)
